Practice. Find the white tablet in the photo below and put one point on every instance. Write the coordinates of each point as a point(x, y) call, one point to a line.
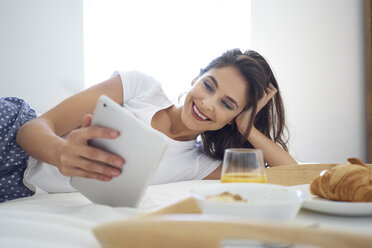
point(140, 145)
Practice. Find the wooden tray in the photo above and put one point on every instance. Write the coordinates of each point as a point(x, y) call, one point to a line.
point(181, 225)
point(187, 231)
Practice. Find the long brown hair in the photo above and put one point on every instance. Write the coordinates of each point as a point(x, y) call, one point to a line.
point(270, 120)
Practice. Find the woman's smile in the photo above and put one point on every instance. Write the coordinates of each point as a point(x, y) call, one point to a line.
point(215, 98)
point(198, 114)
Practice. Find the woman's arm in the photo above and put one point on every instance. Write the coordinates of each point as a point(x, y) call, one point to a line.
point(215, 175)
point(41, 138)
point(274, 154)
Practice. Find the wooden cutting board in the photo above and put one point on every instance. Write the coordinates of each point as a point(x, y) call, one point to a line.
point(296, 174)
point(188, 231)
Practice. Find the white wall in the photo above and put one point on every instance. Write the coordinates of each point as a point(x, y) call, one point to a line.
point(41, 50)
point(169, 40)
point(317, 50)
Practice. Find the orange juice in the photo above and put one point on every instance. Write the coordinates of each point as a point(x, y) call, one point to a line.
point(243, 177)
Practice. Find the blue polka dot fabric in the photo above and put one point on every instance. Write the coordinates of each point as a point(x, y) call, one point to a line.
point(14, 112)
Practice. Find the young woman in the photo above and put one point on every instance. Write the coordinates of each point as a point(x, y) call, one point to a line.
point(233, 102)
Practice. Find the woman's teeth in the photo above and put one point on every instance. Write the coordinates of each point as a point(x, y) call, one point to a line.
point(199, 114)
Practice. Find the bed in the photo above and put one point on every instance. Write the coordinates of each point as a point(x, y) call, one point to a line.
point(67, 219)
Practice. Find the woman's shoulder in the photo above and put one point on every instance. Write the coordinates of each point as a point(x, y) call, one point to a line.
point(137, 84)
point(136, 77)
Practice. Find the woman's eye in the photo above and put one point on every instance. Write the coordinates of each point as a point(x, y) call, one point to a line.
point(226, 105)
point(207, 86)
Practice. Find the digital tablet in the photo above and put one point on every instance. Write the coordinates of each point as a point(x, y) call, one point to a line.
point(140, 145)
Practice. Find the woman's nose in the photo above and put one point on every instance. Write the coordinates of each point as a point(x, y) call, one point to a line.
point(207, 103)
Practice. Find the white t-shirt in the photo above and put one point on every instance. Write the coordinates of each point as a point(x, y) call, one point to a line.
point(143, 96)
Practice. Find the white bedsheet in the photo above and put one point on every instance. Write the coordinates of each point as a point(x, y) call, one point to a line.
point(66, 219)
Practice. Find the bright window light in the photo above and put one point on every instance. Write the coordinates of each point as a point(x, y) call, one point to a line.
point(169, 40)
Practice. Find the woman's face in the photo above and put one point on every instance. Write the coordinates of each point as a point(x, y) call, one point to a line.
point(215, 99)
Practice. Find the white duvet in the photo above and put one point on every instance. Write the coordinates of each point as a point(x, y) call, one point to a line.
point(66, 219)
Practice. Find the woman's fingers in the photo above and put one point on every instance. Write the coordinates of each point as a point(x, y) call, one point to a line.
point(74, 162)
point(271, 91)
point(243, 118)
point(95, 167)
point(88, 174)
point(77, 158)
point(91, 132)
point(95, 154)
point(87, 119)
point(262, 102)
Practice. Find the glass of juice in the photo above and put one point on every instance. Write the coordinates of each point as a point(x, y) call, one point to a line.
point(242, 165)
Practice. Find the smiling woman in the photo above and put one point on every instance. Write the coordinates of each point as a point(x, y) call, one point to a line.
point(234, 102)
point(246, 107)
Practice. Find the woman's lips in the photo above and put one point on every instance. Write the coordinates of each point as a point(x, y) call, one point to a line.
point(198, 114)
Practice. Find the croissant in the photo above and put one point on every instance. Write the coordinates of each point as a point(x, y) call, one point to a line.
point(344, 182)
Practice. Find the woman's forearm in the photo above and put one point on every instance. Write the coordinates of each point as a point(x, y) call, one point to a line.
point(41, 137)
point(38, 139)
point(274, 155)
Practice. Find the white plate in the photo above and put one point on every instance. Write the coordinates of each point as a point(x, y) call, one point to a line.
point(333, 207)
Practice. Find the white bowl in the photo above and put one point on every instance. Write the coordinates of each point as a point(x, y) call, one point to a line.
point(264, 201)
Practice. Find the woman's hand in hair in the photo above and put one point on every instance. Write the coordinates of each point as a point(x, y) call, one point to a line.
point(243, 119)
point(268, 95)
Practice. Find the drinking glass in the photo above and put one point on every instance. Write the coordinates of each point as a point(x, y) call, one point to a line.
point(243, 166)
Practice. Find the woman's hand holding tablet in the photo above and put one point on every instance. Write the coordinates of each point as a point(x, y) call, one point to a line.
point(140, 145)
